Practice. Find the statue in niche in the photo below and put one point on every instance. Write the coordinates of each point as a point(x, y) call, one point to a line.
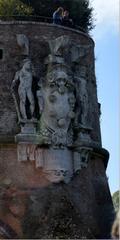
point(23, 78)
point(82, 97)
point(81, 124)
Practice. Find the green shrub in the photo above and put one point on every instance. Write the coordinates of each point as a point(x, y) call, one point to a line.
point(14, 7)
point(116, 200)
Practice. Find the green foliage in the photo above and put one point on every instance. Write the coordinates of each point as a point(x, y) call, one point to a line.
point(80, 11)
point(116, 199)
point(14, 7)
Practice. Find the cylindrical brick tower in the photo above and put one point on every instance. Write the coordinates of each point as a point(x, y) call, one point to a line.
point(50, 130)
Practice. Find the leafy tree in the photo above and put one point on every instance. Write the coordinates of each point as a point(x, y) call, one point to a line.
point(14, 7)
point(80, 11)
point(116, 199)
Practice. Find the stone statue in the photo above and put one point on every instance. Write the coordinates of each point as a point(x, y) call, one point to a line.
point(81, 122)
point(84, 97)
point(58, 106)
point(23, 43)
point(39, 95)
point(24, 78)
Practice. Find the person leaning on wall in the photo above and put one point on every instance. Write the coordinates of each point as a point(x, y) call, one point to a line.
point(66, 20)
point(13, 205)
point(57, 16)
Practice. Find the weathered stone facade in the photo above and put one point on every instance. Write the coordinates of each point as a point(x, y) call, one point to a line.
point(62, 205)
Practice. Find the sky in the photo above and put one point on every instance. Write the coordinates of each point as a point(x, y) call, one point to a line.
point(106, 37)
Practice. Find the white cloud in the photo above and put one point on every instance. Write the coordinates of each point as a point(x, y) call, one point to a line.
point(106, 13)
point(106, 10)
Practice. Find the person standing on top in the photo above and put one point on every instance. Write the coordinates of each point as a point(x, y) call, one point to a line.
point(66, 21)
point(57, 16)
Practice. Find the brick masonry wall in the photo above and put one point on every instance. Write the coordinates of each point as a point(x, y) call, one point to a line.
point(83, 202)
point(76, 209)
point(37, 33)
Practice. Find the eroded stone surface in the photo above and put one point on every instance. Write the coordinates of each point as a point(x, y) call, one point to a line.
point(57, 155)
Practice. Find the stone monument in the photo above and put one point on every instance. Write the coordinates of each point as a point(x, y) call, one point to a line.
point(50, 130)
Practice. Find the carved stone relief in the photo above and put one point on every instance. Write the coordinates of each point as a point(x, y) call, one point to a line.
point(79, 51)
point(82, 97)
point(63, 104)
point(81, 158)
point(58, 45)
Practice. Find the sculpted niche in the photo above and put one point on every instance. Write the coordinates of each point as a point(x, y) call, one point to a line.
point(58, 126)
